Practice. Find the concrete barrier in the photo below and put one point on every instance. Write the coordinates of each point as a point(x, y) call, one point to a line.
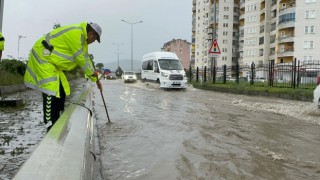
point(12, 89)
point(67, 150)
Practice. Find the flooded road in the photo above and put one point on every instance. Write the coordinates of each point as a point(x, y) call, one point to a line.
point(196, 134)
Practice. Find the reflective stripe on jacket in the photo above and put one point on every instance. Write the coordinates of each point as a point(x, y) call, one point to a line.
point(70, 49)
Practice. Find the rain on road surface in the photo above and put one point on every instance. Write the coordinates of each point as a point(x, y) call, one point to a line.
point(196, 134)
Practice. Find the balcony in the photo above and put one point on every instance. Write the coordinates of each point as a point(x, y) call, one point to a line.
point(287, 10)
point(242, 5)
point(286, 38)
point(273, 45)
point(236, 20)
point(287, 24)
point(286, 52)
point(211, 21)
point(241, 16)
point(273, 19)
point(272, 55)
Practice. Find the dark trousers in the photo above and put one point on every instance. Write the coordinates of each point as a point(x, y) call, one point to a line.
point(52, 106)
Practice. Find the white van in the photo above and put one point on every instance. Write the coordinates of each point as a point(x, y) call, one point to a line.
point(164, 68)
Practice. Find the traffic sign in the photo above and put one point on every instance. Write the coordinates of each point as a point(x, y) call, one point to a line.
point(214, 48)
point(213, 55)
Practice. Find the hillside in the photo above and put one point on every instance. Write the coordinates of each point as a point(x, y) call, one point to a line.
point(124, 64)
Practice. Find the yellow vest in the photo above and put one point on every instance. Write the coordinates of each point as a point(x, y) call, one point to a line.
point(70, 49)
point(1, 42)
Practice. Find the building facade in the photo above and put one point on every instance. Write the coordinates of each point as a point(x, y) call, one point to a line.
point(181, 48)
point(258, 31)
point(214, 19)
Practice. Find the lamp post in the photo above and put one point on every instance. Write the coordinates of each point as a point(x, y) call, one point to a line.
point(19, 37)
point(119, 44)
point(131, 23)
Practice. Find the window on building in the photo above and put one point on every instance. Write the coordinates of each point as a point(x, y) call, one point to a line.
point(308, 45)
point(312, 29)
point(306, 29)
point(307, 14)
point(307, 58)
point(281, 61)
point(310, 14)
point(282, 48)
point(287, 18)
point(225, 17)
point(309, 29)
point(261, 40)
point(311, 44)
point(313, 14)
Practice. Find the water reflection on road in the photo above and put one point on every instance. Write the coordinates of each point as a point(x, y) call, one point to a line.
point(195, 134)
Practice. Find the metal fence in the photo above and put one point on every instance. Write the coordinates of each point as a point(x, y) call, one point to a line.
point(296, 74)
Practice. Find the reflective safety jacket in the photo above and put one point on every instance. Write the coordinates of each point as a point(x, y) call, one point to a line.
point(60, 50)
point(1, 42)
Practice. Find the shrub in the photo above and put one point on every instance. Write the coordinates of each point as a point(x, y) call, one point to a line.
point(13, 66)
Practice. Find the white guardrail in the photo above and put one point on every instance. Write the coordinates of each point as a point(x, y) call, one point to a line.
point(67, 150)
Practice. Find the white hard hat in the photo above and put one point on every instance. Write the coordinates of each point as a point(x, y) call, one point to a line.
point(97, 29)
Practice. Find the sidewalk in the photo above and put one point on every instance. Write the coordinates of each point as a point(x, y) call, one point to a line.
point(22, 128)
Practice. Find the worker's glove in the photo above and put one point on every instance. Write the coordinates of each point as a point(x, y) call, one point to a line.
point(96, 74)
point(99, 85)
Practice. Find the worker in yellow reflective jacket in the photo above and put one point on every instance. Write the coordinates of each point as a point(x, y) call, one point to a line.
point(62, 49)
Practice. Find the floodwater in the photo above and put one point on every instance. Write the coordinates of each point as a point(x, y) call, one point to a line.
point(202, 135)
point(22, 128)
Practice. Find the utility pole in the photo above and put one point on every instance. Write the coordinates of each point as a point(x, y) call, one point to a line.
point(131, 23)
point(213, 59)
point(119, 44)
point(1, 13)
point(19, 37)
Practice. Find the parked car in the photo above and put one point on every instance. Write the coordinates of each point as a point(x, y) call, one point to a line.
point(261, 79)
point(110, 76)
point(129, 76)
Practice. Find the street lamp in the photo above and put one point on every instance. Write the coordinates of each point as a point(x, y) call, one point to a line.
point(119, 44)
point(131, 23)
point(19, 37)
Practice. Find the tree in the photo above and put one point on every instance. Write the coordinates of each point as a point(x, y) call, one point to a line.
point(56, 25)
point(99, 65)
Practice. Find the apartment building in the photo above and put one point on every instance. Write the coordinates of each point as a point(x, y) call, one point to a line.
point(214, 19)
point(181, 48)
point(307, 29)
point(269, 30)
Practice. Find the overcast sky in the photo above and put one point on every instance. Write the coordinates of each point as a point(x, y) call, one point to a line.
point(163, 20)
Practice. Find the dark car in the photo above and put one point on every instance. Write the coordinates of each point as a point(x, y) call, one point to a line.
point(110, 76)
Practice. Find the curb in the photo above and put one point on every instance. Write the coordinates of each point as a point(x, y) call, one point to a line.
point(12, 89)
point(68, 149)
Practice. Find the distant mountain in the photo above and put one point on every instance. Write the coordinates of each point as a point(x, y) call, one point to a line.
point(124, 64)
